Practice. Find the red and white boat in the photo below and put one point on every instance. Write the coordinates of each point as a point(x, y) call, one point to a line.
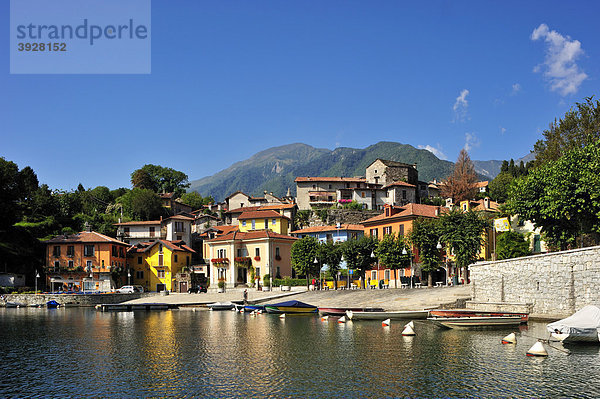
point(476, 313)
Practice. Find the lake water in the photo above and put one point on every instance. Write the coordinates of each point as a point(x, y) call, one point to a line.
point(85, 353)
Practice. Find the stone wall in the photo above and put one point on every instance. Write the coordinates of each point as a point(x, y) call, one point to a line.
point(74, 299)
point(343, 216)
point(555, 284)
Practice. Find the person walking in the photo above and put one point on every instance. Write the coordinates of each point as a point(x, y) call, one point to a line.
point(245, 297)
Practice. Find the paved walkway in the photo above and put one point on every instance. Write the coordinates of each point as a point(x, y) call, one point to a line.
point(388, 299)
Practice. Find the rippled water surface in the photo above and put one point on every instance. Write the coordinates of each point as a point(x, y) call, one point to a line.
point(85, 353)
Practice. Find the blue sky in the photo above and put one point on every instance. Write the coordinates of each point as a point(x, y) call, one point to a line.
point(231, 78)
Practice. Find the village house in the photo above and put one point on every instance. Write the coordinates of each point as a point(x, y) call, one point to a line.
point(169, 201)
point(287, 210)
point(337, 233)
point(84, 262)
point(174, 228)
point(239, 200)
point(155, 265)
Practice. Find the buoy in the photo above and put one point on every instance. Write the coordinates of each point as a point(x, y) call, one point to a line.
point(411, 324)
point(408, 331)
point(510, 339)
point(260, 312)
point(282, 316)
point(386, 322)
point(324, 318)
point(342, 319)
point(537, 350)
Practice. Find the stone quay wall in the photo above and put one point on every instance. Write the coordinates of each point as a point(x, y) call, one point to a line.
point(553, 285)
point(73, 299)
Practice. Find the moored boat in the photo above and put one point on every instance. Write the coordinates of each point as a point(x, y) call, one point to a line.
point(221, 306)
point(581, 326)
point(476, 322)
point(342, 311)
point(476, 313)
point(291, 307)
point(52, 304)
point(395, 315)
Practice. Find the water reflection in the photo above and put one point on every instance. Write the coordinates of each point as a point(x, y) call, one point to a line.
point(84, 353)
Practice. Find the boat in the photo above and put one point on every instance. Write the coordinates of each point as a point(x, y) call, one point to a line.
point(395, 315)
point(9, 304)
point(476, 321)
point(476, 313)
point(52, 304)
point(291, 307)
point(581, 326)
point(342, 311)
point(252, 308)
point(221, 306)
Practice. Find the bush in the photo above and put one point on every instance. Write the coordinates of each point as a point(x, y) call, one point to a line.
point(266, 280)
point(292, 282)
point(221, 284)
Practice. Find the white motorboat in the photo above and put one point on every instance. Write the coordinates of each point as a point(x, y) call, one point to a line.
point(581, 326)
point(221, 306)
point(394, 315)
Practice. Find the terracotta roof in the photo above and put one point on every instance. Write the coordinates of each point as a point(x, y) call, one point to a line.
point(260, 215)
point(262, 207)
point(480, 184)
point(400, 183)
point(138, 223)
point(278, 206)
point(407, 211)
point(251, 235)
point(179, 217)
point(333, 179)
point(244, 209)
point(166, 195)
point(83, 237)
point(318, 229)
point(480, 206)
point(206, 216)
point(172, 245)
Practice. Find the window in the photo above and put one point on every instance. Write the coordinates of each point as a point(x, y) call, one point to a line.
point(277, 254)
point(354, 236)
point(88, 265)
point(160, 273)
point(330, 186)
point(373, 274)
point(56, 250)
point(151, 231)
point(121, 252)
point(71, 251)
point(126, 231)
point(387, 212)
point(329, 237)
point(253, 224)
point(314, 186)
point(187, 260)
point(139, 274)
point(70, 264)
point(139, 260)
point(401, 230)
point(387, 230)
point(258, 272)
point(277, 273)
point(102, 262)
point(222, 253)
point(375, 170)
point(403, 194)
point(160, 249)
point(266, 223)
point(244, 223)
point(274, 222)
point(347, 185)
point(179, 227)
point(88, 250)
point(362, 194)
point(374, 233)
point(179, 238)
point(175, 258)
point(257, 252)
point(114, 251)
point(56, 265)
point(239, 252)
point(387, 275)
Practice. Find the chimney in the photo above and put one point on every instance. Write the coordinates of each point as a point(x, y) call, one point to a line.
point(486, 203)
point(87, 227)
point(437, 211)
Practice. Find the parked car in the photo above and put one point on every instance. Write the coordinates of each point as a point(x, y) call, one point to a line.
point(196, 289)
point(130, 289)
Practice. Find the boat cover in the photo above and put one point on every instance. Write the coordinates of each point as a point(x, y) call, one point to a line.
point(583, 321)
point(292, 304)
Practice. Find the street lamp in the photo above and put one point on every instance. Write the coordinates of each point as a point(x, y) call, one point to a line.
point(37, 275)
point(128, 276)
point(316, 262)
point(405, 252)
point(373, 257)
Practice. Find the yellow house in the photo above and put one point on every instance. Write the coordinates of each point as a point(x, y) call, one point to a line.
point(263, 220)
point(154, 265)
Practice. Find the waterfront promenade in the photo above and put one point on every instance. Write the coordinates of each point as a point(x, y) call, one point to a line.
point(389, 299)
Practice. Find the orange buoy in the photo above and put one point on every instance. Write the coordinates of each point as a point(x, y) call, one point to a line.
point(537, 350)
point(510, 339)
point(386, 322)
point(324, 318)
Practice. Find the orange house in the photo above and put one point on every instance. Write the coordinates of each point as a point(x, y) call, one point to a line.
point(396, 220)
point(84, 261)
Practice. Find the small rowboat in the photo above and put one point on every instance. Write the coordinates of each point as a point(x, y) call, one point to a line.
point(342, 311)
point(476, 313)
point(397, 315)
point(221, 306)
point(291, 307)
point(476, 322)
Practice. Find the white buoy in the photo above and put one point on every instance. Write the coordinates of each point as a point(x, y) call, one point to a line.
point(342, 319)
point(411, 324)
point(537, 350)
point(260, 312)
point(386, 322)
point(510, 339)
point(408, 331)
point(324, 318)
point(193, 309)
point(282, 316)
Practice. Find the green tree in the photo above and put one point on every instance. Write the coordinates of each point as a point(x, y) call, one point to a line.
point(562, 197)
point(500, 186)
point(195, 200)
point(141, 178)
point(579, 127)
point(357, 254)
point(141, 204)
point(426, 234)
point(463, 233)
point(330, 254)
point(160, 179)
point(461, 184)
point(389, 252)
point(303, 254)
point(512, 244)
point(302, 217)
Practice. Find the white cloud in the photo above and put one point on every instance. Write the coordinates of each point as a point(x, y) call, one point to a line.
point(502, 130)
point(435, 151)
point(471, 141)
point(516, 88)
point(461, 106)
point(559, 67)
